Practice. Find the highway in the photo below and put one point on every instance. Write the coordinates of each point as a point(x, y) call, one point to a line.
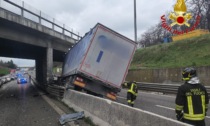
point(24, 105)
point(156, 103)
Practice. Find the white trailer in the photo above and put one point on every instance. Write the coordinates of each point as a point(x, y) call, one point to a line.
point(99, 62)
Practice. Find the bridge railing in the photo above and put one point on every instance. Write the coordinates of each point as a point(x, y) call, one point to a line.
point(27, 11)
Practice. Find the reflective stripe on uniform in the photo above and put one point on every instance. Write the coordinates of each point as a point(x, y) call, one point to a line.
point(186, 79)
point(190, 105)
point(179, 107)
point(191, 115)
point(203, 103)
point(194, 117)
point(129, 101)
point(132, 92)
point(131, 89)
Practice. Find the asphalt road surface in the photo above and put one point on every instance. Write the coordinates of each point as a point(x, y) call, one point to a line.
point(23, 105)
point(156, 103)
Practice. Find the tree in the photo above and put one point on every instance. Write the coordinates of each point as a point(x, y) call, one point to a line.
point(199, 7)
point(8, 64)
point(12, 65)
point(155, 34)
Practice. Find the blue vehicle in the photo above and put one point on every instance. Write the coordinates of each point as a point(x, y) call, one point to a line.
point(18, 75)
point(21, 79)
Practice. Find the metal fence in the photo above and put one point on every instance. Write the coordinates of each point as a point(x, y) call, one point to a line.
point(27, 11)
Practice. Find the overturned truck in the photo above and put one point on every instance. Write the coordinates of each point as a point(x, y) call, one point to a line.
point(99, 62)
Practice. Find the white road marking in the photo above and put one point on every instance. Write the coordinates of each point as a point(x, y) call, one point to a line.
point(208, 117)
point(157, 93)
point(121, 97)
point(152, 93)
point(165, 107)
point(55, 107)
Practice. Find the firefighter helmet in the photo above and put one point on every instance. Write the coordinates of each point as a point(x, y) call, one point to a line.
point(188, 73)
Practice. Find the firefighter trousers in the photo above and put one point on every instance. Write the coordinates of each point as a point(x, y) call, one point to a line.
point(130, 98)
point(195, 123)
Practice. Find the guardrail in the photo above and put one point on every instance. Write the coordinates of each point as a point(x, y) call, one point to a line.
point(157, 87)
point(29, 12)
point(52, 89)
point(164, 88)
point(58, 91)
point(55, 90)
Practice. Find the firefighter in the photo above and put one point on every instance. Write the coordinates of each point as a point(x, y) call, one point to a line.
point(131, 93)
point(192, 99)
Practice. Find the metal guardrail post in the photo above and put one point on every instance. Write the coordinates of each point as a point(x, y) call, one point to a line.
point(63, 29)
point(53, 24)
point(71, 32)
point(40, 20)
point(22, 13)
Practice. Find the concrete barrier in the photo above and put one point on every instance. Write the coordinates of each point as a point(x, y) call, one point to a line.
point(104, 112)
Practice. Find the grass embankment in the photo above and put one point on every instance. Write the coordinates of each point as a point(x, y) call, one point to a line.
point(4, 71)
point(189, 52)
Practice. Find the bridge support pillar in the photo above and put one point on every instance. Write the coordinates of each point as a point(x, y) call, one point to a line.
point(40, 71)
point(44, 65)
point(49, 63)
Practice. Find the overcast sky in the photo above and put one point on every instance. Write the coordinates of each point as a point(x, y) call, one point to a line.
point(81, 15)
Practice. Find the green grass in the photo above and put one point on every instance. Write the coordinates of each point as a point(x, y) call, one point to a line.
point(4, 71)
point(189, 52)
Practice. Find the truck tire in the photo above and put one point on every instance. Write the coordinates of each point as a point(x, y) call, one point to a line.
point(77, 88)
point(95, 94)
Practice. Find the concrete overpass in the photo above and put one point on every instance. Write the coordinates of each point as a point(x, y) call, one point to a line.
point(22, 37)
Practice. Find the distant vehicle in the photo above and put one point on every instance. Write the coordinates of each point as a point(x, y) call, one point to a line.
point(12, 71)
point(99, 62)
point(3, 80)
point(8, 78)
point(25, 72)
point(13, 77)
point(22, 80)
point(18, 75)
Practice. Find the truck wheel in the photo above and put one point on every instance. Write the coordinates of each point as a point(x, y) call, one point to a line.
point(92, 93)
point(77, 88)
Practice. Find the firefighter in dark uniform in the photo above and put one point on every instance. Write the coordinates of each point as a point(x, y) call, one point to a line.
point(132, 92)
point(192, 99)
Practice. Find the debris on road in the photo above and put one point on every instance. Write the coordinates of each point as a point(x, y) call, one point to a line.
point(71, 117)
